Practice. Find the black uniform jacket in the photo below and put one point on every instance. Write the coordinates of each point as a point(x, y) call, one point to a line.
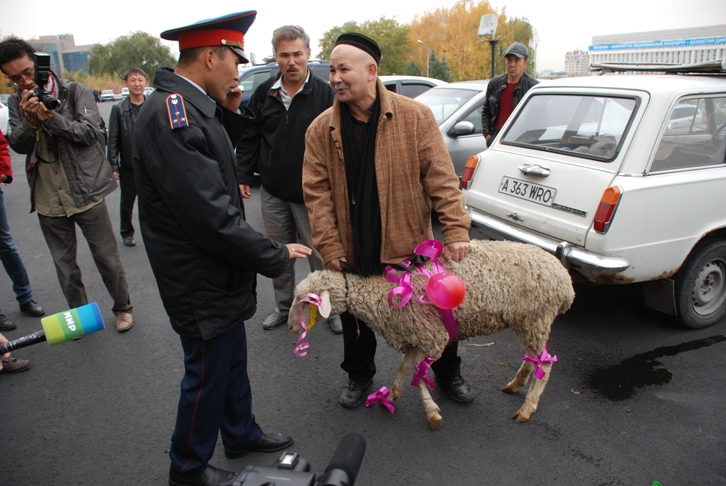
point(203, 253)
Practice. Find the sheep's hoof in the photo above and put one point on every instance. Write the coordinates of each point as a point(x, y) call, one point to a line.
point(434, 421)
point(510, 389)
point(394, 394)
point(522, 416)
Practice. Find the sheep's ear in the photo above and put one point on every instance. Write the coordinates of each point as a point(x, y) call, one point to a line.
point(325, 304)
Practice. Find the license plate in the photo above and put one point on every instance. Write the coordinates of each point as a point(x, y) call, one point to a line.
point(527, 190)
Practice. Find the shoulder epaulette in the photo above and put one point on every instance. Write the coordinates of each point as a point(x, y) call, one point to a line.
point(177, 112)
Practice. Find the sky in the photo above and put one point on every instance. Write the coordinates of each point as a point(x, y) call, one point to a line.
point(561, 25)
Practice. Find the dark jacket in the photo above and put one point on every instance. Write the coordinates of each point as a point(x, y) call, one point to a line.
point(494, 93)
point(75, 129)
point(120, 127)
point(275, 143)
point(203, 253)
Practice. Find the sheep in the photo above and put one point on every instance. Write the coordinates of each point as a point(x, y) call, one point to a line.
point(508, 284)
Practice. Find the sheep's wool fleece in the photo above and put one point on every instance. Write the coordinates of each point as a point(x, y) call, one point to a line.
point(507, 285)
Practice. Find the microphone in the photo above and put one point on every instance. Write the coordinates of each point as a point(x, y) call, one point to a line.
point(61, 327)
point(345, 463)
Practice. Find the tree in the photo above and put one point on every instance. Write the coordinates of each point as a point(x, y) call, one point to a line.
point(439, 69)
point(391, 37)
point(413, 69)
point(139, 50)
point(452, 32)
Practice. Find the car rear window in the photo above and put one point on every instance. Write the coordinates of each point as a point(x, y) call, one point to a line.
point(445, 101)
point(585, 126)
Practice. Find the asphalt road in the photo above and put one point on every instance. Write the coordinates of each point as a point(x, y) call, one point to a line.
point(634, 398)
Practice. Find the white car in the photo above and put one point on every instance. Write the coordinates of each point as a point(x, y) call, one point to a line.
point(107, 95)
point(410, 86)
point(4, 119)
point(623, 178)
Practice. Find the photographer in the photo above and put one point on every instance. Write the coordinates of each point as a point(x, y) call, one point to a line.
point(57, 124)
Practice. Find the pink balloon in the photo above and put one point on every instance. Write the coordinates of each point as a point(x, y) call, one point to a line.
point(445, 290)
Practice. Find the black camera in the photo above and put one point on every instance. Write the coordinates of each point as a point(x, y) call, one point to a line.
point(42, 73)
point(292, 470)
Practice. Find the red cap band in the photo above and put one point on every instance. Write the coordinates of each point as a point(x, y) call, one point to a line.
point(209, 37)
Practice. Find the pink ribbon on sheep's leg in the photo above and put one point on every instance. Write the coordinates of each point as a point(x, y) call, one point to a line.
point(421, 372)
point(311, 299)
point(381, 396)
point(543, 358)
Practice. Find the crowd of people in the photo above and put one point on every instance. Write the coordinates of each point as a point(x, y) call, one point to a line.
point(348, 175)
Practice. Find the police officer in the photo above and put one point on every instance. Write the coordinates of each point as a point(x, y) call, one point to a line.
point(203, 254)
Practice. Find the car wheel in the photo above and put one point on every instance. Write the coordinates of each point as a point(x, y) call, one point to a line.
point(701, 285)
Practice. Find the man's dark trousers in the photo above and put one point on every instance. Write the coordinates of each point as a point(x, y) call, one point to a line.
point(128, 198)
point(215, 397)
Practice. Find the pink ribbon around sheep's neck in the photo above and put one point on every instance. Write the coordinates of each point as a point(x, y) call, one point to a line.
point(381, 396)
point(421, 372)
point(543, 358)
point(432, 250)
point(312, 299)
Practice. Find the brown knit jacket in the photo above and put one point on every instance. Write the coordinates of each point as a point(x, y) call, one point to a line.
point(413, 170)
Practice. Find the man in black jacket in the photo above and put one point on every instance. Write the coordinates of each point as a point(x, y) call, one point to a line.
point(506, 91)
point(274, 146)
point(203, 253)
point(120, 128)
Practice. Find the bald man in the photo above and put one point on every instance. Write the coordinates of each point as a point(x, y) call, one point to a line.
point(370, 203)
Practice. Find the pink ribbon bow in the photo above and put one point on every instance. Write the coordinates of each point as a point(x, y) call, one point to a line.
point(543, 358)
point(381, 396)
point(421, 372)
point(431, 249)
point(311, 299)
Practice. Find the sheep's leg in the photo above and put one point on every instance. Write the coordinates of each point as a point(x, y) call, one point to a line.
point(432, 410)
point(521, 378)
point(533, 395)
point(410, 358)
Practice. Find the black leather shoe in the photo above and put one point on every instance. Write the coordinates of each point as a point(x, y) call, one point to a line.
point(129, 241)
point(209, 477)
point(457, 388)
point(266, 443)
point(6, 324)
point(32, 308)
point(352, 393)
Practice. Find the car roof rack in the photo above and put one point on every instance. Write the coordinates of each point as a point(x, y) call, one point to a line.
point(717, 66)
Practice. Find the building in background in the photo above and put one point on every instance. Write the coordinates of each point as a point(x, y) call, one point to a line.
point(675, 46)
point(577, 63)
point(65, 55)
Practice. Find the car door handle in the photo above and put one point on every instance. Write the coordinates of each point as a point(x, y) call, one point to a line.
point(534, 169)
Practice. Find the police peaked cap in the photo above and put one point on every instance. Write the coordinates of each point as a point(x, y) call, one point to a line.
point(228, 30)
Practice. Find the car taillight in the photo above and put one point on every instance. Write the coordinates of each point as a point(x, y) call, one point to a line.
point(606, 210)
point(471, 164)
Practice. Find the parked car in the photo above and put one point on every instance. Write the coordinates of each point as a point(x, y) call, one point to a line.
point(457, 109)
point(124, 92)
point(4, 119)
point(251, 77)
point(148, 90)
point(593, 170)
point(410, 86)
point(4, 97)
point(107, 95)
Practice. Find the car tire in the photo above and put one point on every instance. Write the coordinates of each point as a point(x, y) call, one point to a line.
point(701, 285)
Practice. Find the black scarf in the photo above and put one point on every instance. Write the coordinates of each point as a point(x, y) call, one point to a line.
point(360, 173)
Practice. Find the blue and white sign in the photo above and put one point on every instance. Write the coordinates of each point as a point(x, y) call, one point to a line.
point(665, 44)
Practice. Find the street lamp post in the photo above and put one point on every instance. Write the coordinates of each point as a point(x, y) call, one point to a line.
point(428, 58)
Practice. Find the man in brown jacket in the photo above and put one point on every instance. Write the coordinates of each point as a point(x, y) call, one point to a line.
point(375, 163)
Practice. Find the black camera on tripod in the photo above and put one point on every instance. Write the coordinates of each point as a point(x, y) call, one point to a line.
point(293, 470)
point(42, 73)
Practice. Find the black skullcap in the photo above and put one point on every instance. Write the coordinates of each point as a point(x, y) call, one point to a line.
point(362, 42)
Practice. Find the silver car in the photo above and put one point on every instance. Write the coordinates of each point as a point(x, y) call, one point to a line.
point(457, 109)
